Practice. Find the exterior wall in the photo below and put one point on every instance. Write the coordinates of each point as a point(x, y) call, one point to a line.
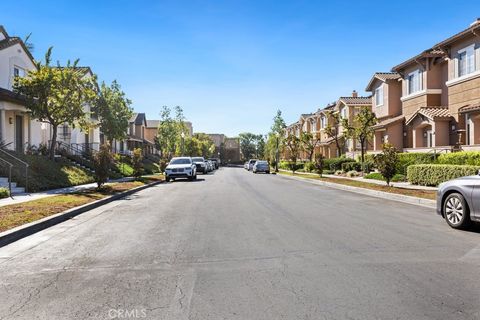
point(392, 92)
point(411, 105)
point(442, 133)
point(10, 57)
point(462, 94)
point(150, 133)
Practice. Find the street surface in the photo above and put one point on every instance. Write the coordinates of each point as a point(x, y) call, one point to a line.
point(234, 245)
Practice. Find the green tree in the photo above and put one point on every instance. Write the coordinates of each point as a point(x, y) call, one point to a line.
point(248, 144)
point(102, 160)
point(114, 111)
point(386, 162)
point(309, 143)
point(293, 146)
point(206, 145)
point(361, 128)
point(137, 164)
point(319, 163)
point(278, 125)
point(169, 135)
point(57, 95)
point(332, 130)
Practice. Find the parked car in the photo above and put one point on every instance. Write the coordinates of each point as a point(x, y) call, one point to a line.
point(201, 165)
point(216, 162)
point(246, 164)
point(261, 166)
point(251, 162)
point(458, 201)
point(180, 167)
point(212, 165)
point(209, 166)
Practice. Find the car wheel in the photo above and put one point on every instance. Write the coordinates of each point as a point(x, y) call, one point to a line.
point(167, 179)
point(195, 177)
point(455, 211)
point(190, 178)
point(267, 172)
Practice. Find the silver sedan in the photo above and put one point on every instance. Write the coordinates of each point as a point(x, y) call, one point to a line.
point(458, 201)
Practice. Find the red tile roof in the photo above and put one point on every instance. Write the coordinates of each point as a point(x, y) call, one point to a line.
point(432, 113)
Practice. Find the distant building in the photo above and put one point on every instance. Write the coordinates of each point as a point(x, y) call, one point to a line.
point(227, 149)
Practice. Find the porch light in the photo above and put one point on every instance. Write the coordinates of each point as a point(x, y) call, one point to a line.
point(453, 127)
point(10, 120)
point(425, 134)
point(404, 133)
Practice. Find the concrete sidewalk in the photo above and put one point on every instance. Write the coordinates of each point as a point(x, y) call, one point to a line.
point(25, 197)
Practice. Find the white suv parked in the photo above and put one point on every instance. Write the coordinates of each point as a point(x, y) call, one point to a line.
point(181, 167)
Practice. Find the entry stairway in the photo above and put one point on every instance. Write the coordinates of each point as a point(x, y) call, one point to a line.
point(15, 189)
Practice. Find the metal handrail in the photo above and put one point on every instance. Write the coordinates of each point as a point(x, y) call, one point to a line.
point(10, 165)
point(22, 162)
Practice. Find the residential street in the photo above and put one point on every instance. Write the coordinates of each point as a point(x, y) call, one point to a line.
point(234, 245)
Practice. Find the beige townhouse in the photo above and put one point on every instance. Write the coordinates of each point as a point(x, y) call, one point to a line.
point(386, 90)
point(461, 83)
point(428, 122)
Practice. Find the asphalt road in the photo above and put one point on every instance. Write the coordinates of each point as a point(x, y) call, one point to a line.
point(235, 245)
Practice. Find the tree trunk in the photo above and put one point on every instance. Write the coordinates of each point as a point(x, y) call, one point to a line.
point(362, 146)
point(53, 142)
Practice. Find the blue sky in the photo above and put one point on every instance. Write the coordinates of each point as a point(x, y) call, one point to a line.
point(232, 64)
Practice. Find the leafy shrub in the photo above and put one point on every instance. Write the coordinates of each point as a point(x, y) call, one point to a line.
point(386, 162)
point(137, 162)
point(378, 176)
point(4, 193)
point(319, 163)
point(338, 172)
point(352, 174)
point(471, 158)
point(336, 163)
point(287, 165)
point(351, 166)
point(103, 160)
point(434, 174)
point(309, 166)
point(406, 159)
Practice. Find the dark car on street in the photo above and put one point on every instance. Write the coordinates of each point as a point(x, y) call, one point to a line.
point(261, 166)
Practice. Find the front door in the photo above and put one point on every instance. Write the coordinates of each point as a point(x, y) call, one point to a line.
point(19, 133)
point(429, 138)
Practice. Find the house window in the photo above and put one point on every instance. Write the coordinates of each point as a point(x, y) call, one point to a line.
point(379, 96)
point(18, 72)
point(323, 122)
point(343, 113)
point(414, 83)
point(466, 61)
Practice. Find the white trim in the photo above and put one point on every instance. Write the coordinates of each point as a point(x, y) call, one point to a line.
point(420, 93)
point(464, 78)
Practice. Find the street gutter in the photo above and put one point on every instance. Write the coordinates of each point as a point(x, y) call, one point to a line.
point(374, 193)
point(28, 229)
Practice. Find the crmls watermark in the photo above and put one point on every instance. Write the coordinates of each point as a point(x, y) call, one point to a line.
point(127, 313)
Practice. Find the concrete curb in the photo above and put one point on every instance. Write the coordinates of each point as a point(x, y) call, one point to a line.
point(374, 193)
point(28, 229)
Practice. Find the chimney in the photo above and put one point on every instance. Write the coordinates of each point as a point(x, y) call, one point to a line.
point(476, 22)
point(354, 94)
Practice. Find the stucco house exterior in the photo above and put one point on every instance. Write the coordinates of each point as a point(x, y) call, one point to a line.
point(17, 129)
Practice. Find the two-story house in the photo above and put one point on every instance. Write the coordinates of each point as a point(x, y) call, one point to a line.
point(386, 92)
point(428, 122)
point(83, 139)
point(461, 79)
point(348, 107)
point(17, 129)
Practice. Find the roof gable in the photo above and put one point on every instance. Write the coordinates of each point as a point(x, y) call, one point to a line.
point(381, 76)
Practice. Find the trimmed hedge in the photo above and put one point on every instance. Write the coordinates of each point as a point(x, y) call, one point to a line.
point(406, 159)
point(4, 193)
point(434, 174)
point(378, 176)
point(309, 167)
point(285, 165)
point(471, 158)
point(351, 166)
point(336, 163)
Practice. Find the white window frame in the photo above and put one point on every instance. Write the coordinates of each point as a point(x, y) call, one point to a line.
point(343, 113)
point(379, 96)
point(323, 122)
point(419, 85)
point(469, 52)
point(21, 71)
